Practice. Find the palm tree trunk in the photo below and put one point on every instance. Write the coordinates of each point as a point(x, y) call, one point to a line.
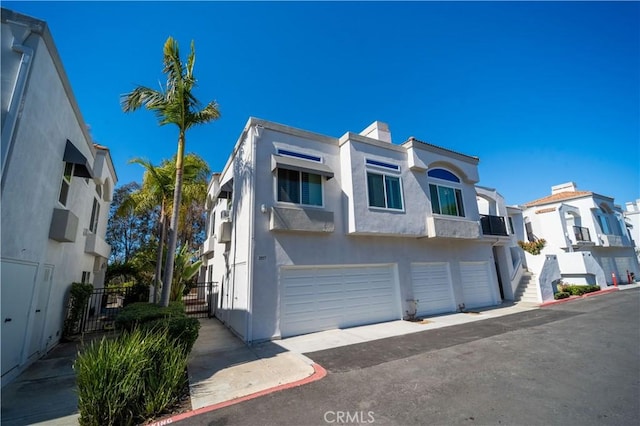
point(173, 227)
point(162, 238)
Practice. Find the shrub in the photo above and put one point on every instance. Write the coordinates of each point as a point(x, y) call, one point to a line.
point(561, 295)
point(533, 247)
point(184, 330)
point(140, 313)
point(79, 295)
point(579, 290)
point(129, 379)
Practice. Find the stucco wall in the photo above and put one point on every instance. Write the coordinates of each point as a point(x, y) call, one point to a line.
point(31, 186)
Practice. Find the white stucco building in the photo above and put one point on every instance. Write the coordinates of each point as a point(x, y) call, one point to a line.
point(56, 191)
point(632, 219)
point(585, 231)
point(308, 232)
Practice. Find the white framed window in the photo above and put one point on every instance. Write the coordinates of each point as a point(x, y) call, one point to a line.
point(95, 214)
point(445, 199)
point(86, 277)
point(66, 183)
point(299, 187)
point(384, 191)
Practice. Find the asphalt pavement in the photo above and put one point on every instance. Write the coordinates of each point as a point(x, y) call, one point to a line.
point(575, 363)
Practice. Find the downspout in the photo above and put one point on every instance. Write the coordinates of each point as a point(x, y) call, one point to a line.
point(252, 201)
point(15, 104)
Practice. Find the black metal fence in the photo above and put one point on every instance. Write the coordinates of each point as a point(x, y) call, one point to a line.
point(105, 304)
point(493, 225)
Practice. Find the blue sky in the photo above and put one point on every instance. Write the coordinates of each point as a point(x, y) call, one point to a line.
point(542, 92)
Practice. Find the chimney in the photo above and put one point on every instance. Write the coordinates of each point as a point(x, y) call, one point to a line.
point(377, 130)
point(564, 187)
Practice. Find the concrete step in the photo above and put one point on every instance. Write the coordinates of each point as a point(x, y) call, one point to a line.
point(527, 291)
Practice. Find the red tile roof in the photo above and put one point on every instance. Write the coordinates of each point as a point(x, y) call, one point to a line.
point(96, 146)
point(560, 196)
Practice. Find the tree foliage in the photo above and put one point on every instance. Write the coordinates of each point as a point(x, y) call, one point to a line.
point(175, 104)
point(128, 230)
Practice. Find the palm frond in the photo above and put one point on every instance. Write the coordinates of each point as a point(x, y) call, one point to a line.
point(142, 96)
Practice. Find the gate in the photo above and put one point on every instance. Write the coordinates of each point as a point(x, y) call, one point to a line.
point(201, 301)
point(106, 303)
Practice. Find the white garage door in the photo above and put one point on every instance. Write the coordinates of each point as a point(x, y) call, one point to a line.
point(432, 288)
point(477, 285)
point(322, 298)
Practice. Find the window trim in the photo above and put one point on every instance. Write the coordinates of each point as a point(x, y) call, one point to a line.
point(456, 191)
point(323, 179)
point(66, 180)
point(303, 156)
point(94, 220)
point(445, 183)
point(384, 188)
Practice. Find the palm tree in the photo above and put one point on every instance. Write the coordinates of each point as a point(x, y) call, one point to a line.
point(157, 189)
point(173, 104)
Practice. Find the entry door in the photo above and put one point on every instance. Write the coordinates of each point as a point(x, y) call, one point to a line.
point(39, 311)
point(18, 280)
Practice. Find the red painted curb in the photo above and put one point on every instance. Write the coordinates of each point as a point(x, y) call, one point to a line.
point(569, 299)
point(318, 373)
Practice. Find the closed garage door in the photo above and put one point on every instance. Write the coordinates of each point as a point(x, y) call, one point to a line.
point(322, 298)
point(432, 288)
point(477, 285)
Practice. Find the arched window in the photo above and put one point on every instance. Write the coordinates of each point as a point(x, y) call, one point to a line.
point(444, 199)
point(443, 174)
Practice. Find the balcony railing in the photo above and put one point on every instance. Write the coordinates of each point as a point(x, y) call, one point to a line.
point(493, 225)
point(582, 234)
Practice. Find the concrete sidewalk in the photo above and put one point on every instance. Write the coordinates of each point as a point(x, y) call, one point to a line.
point(222, 369)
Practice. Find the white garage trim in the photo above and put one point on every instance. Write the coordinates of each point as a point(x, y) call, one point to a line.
point(432, 288)
point(478, 289)
point(316, 298)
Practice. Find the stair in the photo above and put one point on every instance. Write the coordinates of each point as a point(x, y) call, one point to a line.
point(527, 291)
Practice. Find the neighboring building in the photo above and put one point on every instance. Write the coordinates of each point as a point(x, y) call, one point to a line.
point(56, 190)
point(586, 232)
point(505, 224)
point(308, 232)
point(632, 222)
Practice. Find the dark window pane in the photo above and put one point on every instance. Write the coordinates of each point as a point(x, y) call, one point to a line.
point(311, 189)
point(288, 186)
point(459, 203)
point(443, 174)
point(447, 201)
point(394, 198)
point(64, 192)
point(435, 203)
point(376, 190)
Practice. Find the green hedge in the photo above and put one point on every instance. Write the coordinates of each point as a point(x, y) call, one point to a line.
point(140, 313)
point(561, 295)
point(173, 319)
point(184, 330)
point(579, 290)
point(130, 379)
point(79, 295)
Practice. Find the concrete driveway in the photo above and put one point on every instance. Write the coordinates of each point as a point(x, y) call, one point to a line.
point(576, 363)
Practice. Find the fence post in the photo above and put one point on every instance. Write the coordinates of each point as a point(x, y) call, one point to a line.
point(210, 299)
